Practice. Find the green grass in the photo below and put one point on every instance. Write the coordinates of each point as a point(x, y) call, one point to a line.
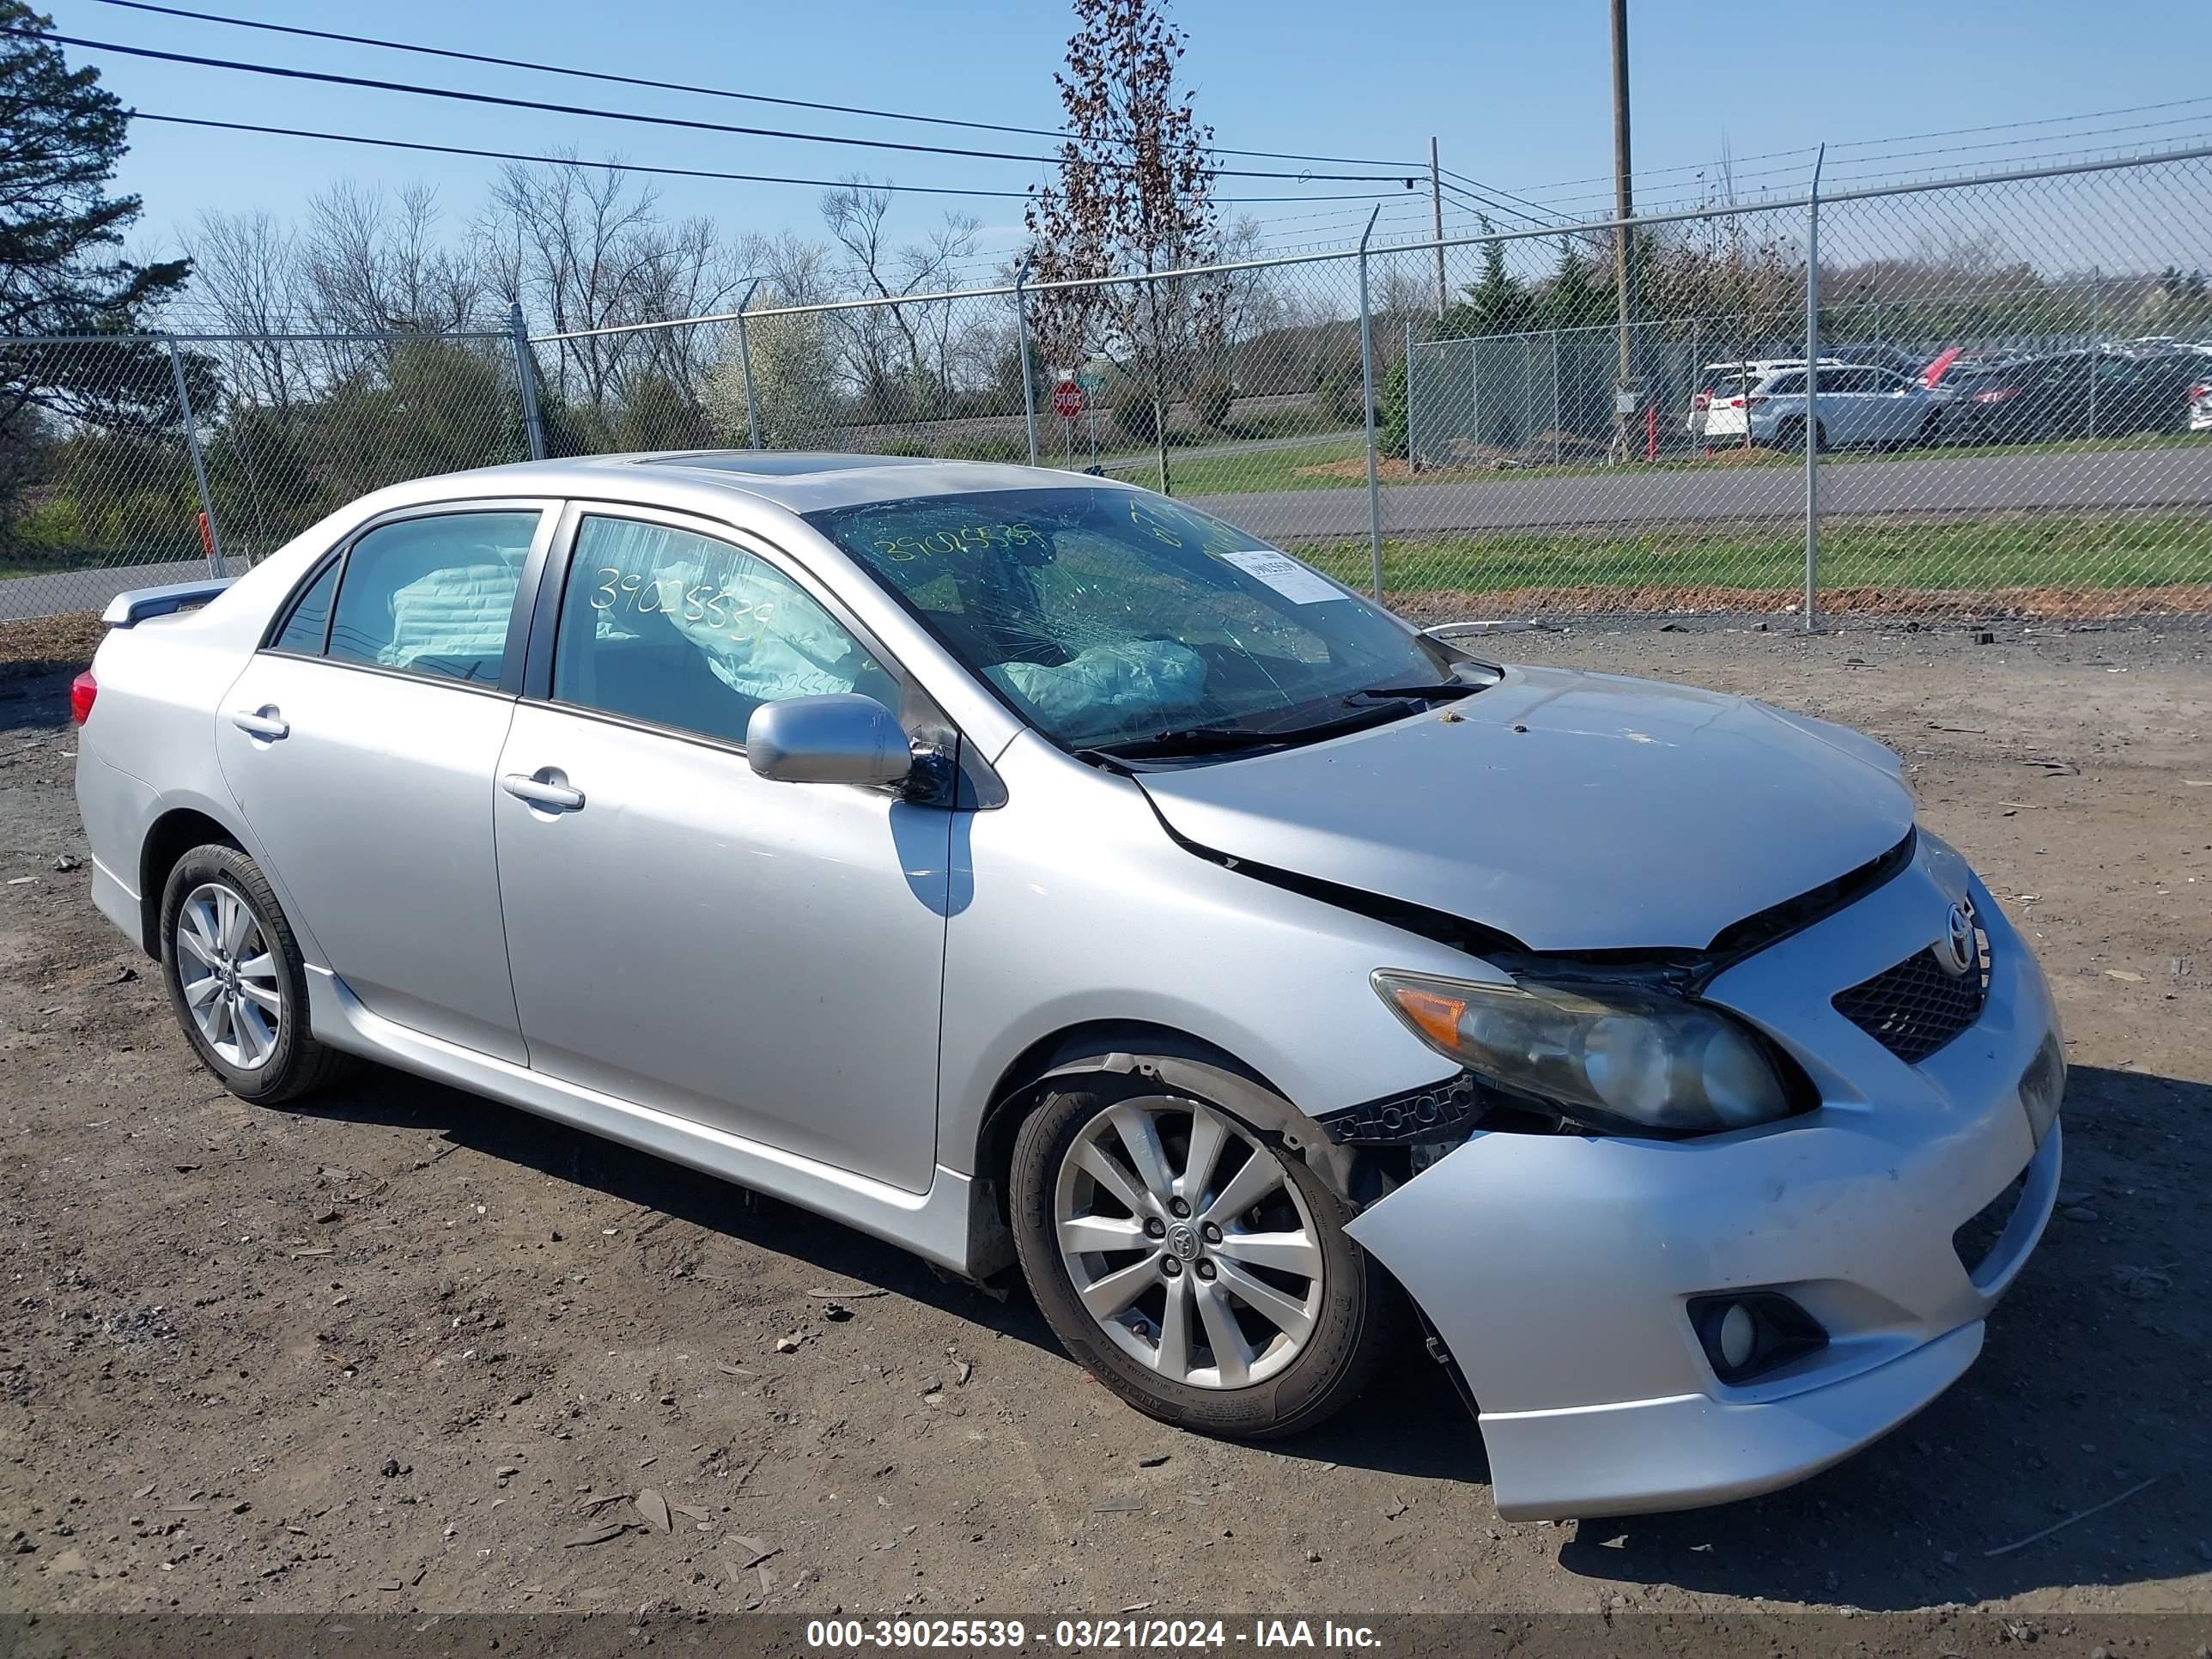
point(1258, 469)
point(1253, 470)
point(2102, 552)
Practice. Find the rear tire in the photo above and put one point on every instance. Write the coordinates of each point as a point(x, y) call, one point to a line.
point(1247, 1312)
point(237, 982)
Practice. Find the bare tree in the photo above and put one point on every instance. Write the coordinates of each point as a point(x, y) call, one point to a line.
point(1133, 198)
point(374, 262)
point(245, 267)
point(901, 355)
point(574, 249)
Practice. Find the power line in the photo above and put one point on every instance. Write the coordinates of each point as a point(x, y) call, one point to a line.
point(457, 95)
point(681, 85)
point(1484, 209)
point(1869, 143)
point(2007, 126)
point(1488, 190)
point(638, 167)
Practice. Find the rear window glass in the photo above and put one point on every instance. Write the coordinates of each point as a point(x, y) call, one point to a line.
point(311, 618)
point(433, 595)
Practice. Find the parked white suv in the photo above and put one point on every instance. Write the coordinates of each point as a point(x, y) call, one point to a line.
point(1859, 404)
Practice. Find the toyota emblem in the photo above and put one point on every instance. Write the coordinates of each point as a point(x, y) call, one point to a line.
point(1957, 952)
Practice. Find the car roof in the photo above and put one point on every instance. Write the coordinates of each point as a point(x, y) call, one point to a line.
point(798, 481)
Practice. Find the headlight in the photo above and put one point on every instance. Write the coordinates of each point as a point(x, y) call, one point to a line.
point(1632, 1056)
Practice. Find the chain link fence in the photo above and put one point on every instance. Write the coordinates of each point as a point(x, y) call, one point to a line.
point(1998, 403)
point(126, 461)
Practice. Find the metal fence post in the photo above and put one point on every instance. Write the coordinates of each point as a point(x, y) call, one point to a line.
point(1411, 453)
point(525, 382)
point(1558, 420)
point(1475, 391)
point(199, 464)
point(1813, 398)
point(2096, 345)
point(1022, 332)
point(1367, 398)
point(745, 362)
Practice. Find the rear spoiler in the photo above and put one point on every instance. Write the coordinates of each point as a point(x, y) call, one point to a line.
point(128, 609)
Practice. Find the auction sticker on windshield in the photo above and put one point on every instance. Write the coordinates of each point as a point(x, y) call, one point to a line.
point(1285, 575)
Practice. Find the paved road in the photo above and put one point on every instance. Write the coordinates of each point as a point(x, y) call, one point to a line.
point(63, 591)
point(1934, 485)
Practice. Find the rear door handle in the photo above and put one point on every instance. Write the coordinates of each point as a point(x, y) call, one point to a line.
point(266, 722)
point(542, 791)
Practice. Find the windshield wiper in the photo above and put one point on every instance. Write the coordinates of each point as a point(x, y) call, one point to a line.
point(1185, 740)
point(1440, 689)
point(1224, 740)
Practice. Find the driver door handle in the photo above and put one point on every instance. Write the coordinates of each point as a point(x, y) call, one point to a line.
point(539, 791)
point(266, 723)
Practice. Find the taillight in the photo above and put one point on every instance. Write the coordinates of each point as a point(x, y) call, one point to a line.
point(2196, 391)
point(1998, 396)
point(82, 690)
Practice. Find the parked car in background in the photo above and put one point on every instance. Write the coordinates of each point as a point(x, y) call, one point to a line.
point(2070, 394)
point(1046, 876)
point(1878, 354)
point(2200, 405)
point(1858, 405)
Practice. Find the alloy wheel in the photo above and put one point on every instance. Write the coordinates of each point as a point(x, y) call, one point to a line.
point(1188, 1243)
point(228, 976)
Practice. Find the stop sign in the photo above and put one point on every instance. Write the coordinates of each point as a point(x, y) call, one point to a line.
point(1067, 399)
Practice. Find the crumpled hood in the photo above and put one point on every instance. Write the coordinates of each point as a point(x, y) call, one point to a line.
point(1575, 812)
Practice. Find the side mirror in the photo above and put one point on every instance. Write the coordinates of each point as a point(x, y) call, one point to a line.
point(843, 737)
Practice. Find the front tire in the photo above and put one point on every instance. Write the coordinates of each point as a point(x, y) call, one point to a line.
point(1195, 1266)
point(236, 980)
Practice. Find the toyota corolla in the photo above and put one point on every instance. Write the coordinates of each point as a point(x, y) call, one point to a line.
point(1045, 877)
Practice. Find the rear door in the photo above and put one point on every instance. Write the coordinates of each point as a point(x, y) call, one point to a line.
point(1850, 412)
point(1899, 408)
point(360, 744)
point(765, 959)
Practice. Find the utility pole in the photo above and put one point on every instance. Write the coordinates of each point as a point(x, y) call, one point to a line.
point(1437, 220)
point(1624, 208)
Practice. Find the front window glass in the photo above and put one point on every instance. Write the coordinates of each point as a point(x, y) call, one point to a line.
point(682, 630)
point(1106, 615)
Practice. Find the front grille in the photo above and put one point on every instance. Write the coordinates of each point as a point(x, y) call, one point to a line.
point(1915, 1007)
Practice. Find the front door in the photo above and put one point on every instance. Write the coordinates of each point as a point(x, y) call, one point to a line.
point(761, 958)
point(361, 746)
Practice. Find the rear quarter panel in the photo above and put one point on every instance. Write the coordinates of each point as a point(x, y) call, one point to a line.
point(149, 748)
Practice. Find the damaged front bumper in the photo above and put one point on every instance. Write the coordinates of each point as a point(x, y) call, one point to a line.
point(1560, 1270)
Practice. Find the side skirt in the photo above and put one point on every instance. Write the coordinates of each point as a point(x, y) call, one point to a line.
point(934, 1224)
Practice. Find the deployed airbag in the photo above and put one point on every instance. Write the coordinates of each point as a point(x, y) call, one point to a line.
point(1104, 687)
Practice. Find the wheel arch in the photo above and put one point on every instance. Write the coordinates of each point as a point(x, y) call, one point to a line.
point(1181, 1061)
point(172, 834)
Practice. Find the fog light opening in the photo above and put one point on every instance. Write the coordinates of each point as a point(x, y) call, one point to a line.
point(1738, 1336)
point(1749, 1335)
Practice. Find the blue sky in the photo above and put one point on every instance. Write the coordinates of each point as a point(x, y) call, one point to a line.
point(1517, 94)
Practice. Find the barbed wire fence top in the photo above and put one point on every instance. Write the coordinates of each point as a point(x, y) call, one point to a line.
point(2003, 382)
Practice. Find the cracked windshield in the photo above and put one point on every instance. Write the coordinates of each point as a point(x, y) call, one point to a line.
point(1111, 618)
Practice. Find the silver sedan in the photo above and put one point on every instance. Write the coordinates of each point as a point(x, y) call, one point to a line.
point(1045, 877)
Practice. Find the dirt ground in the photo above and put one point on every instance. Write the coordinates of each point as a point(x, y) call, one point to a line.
point(406, 1349)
